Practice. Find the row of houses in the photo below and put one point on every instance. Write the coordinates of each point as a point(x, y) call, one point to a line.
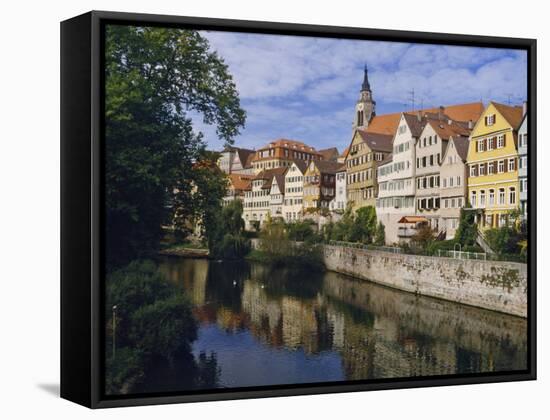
point(416, 168)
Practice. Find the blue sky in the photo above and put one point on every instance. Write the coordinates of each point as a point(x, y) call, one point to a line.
point(305, 88)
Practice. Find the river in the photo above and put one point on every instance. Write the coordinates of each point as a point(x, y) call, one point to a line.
point(264, 326)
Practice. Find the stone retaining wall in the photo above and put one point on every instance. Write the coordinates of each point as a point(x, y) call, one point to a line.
point(495, 285)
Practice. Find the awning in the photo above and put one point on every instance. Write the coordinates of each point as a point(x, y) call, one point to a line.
point(412, 219)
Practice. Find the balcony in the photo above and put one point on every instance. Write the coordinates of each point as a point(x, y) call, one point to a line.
point(406, 232)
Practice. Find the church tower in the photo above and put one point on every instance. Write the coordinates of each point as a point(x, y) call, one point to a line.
point(365, 106)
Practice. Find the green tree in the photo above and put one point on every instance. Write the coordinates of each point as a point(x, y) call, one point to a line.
point(466, 233)
point(232, 216)
point(380, 235)
point(364, 225)
point(154, 79)
point(153, 320)
point(424, 237)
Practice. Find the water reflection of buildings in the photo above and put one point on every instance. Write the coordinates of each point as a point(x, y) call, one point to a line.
point(377, 331)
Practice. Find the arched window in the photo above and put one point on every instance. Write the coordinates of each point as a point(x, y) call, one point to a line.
point(473, 199)
point(359, 118)
point(491, 197)
point(512, 195)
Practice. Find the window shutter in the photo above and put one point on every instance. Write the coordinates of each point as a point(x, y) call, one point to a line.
point(485, 119)
point(504, 140)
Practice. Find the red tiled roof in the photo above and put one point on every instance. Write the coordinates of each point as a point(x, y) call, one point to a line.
point(377, 142)
point(240, 182)
point(512, 114)
point(329, 154)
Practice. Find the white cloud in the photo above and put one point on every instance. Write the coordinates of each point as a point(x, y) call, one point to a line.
point(305, 88)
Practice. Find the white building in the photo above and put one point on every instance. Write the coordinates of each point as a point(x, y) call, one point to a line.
point(236, 160)
point(294, 191)
point(257, 200)
point(339, 202)
point(396, 177)
point(453, 180)
point(276, 195)
point(430, 148)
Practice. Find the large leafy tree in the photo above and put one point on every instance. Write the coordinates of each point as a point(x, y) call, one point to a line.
point(155, 80)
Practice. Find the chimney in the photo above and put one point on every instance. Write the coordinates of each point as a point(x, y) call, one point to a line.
point(441, 111)
point(470, 124)
point(524, 108)
point(419, 115)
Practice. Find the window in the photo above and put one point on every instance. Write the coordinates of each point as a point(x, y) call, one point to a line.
point(512, 195)
point(490, 119)
point(511, 165)
point(481, 145)
point(473, 199)
point(491, 197)
point(501, 196)
point(451, 180)
point(523, 185)
point(500, 166)
point(500, 141)
point(473, 170)
point(490, 144)
point(445, 182)
point(481, 169)
point(523, 140)
point(523, 162)
point(458, 181)
point(491, 168)
point(482, 198)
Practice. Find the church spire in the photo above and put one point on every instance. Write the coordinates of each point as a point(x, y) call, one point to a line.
point(365, 85)
point(365, 106)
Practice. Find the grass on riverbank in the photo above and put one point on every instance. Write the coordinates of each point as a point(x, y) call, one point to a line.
point(298, 256)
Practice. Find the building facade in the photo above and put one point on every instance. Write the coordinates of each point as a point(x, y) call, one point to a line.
point(234, 159)
point(294, 192)
point(319, 185)
point(453, 180)
point(257, 200)
point(522, 164)
point(366, 151)
point(276, 195)
point(430, 148)
point(238, 184)
point(338, 204)
point(397, 177)
point(282, 153)
point(493, 183)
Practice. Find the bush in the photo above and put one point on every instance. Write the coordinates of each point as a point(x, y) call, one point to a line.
point(153, 319)
point(232, 247)
point(277, 249)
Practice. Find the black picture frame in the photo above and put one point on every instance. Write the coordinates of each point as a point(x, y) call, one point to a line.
point(82, 184)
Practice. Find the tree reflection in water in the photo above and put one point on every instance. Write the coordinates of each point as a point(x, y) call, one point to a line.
point(262, 326)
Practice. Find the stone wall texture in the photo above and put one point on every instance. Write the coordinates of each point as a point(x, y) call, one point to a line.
point(495, 285)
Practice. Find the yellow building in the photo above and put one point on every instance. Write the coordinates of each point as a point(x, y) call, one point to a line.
point(366, 151)
point(493, 184)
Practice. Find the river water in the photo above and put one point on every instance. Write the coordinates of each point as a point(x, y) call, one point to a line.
point(264, 326)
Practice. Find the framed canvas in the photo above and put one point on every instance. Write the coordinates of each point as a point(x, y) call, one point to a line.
point(254, 209)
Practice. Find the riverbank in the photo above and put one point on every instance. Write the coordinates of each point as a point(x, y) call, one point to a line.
point(185, 252)
point(494, 285)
